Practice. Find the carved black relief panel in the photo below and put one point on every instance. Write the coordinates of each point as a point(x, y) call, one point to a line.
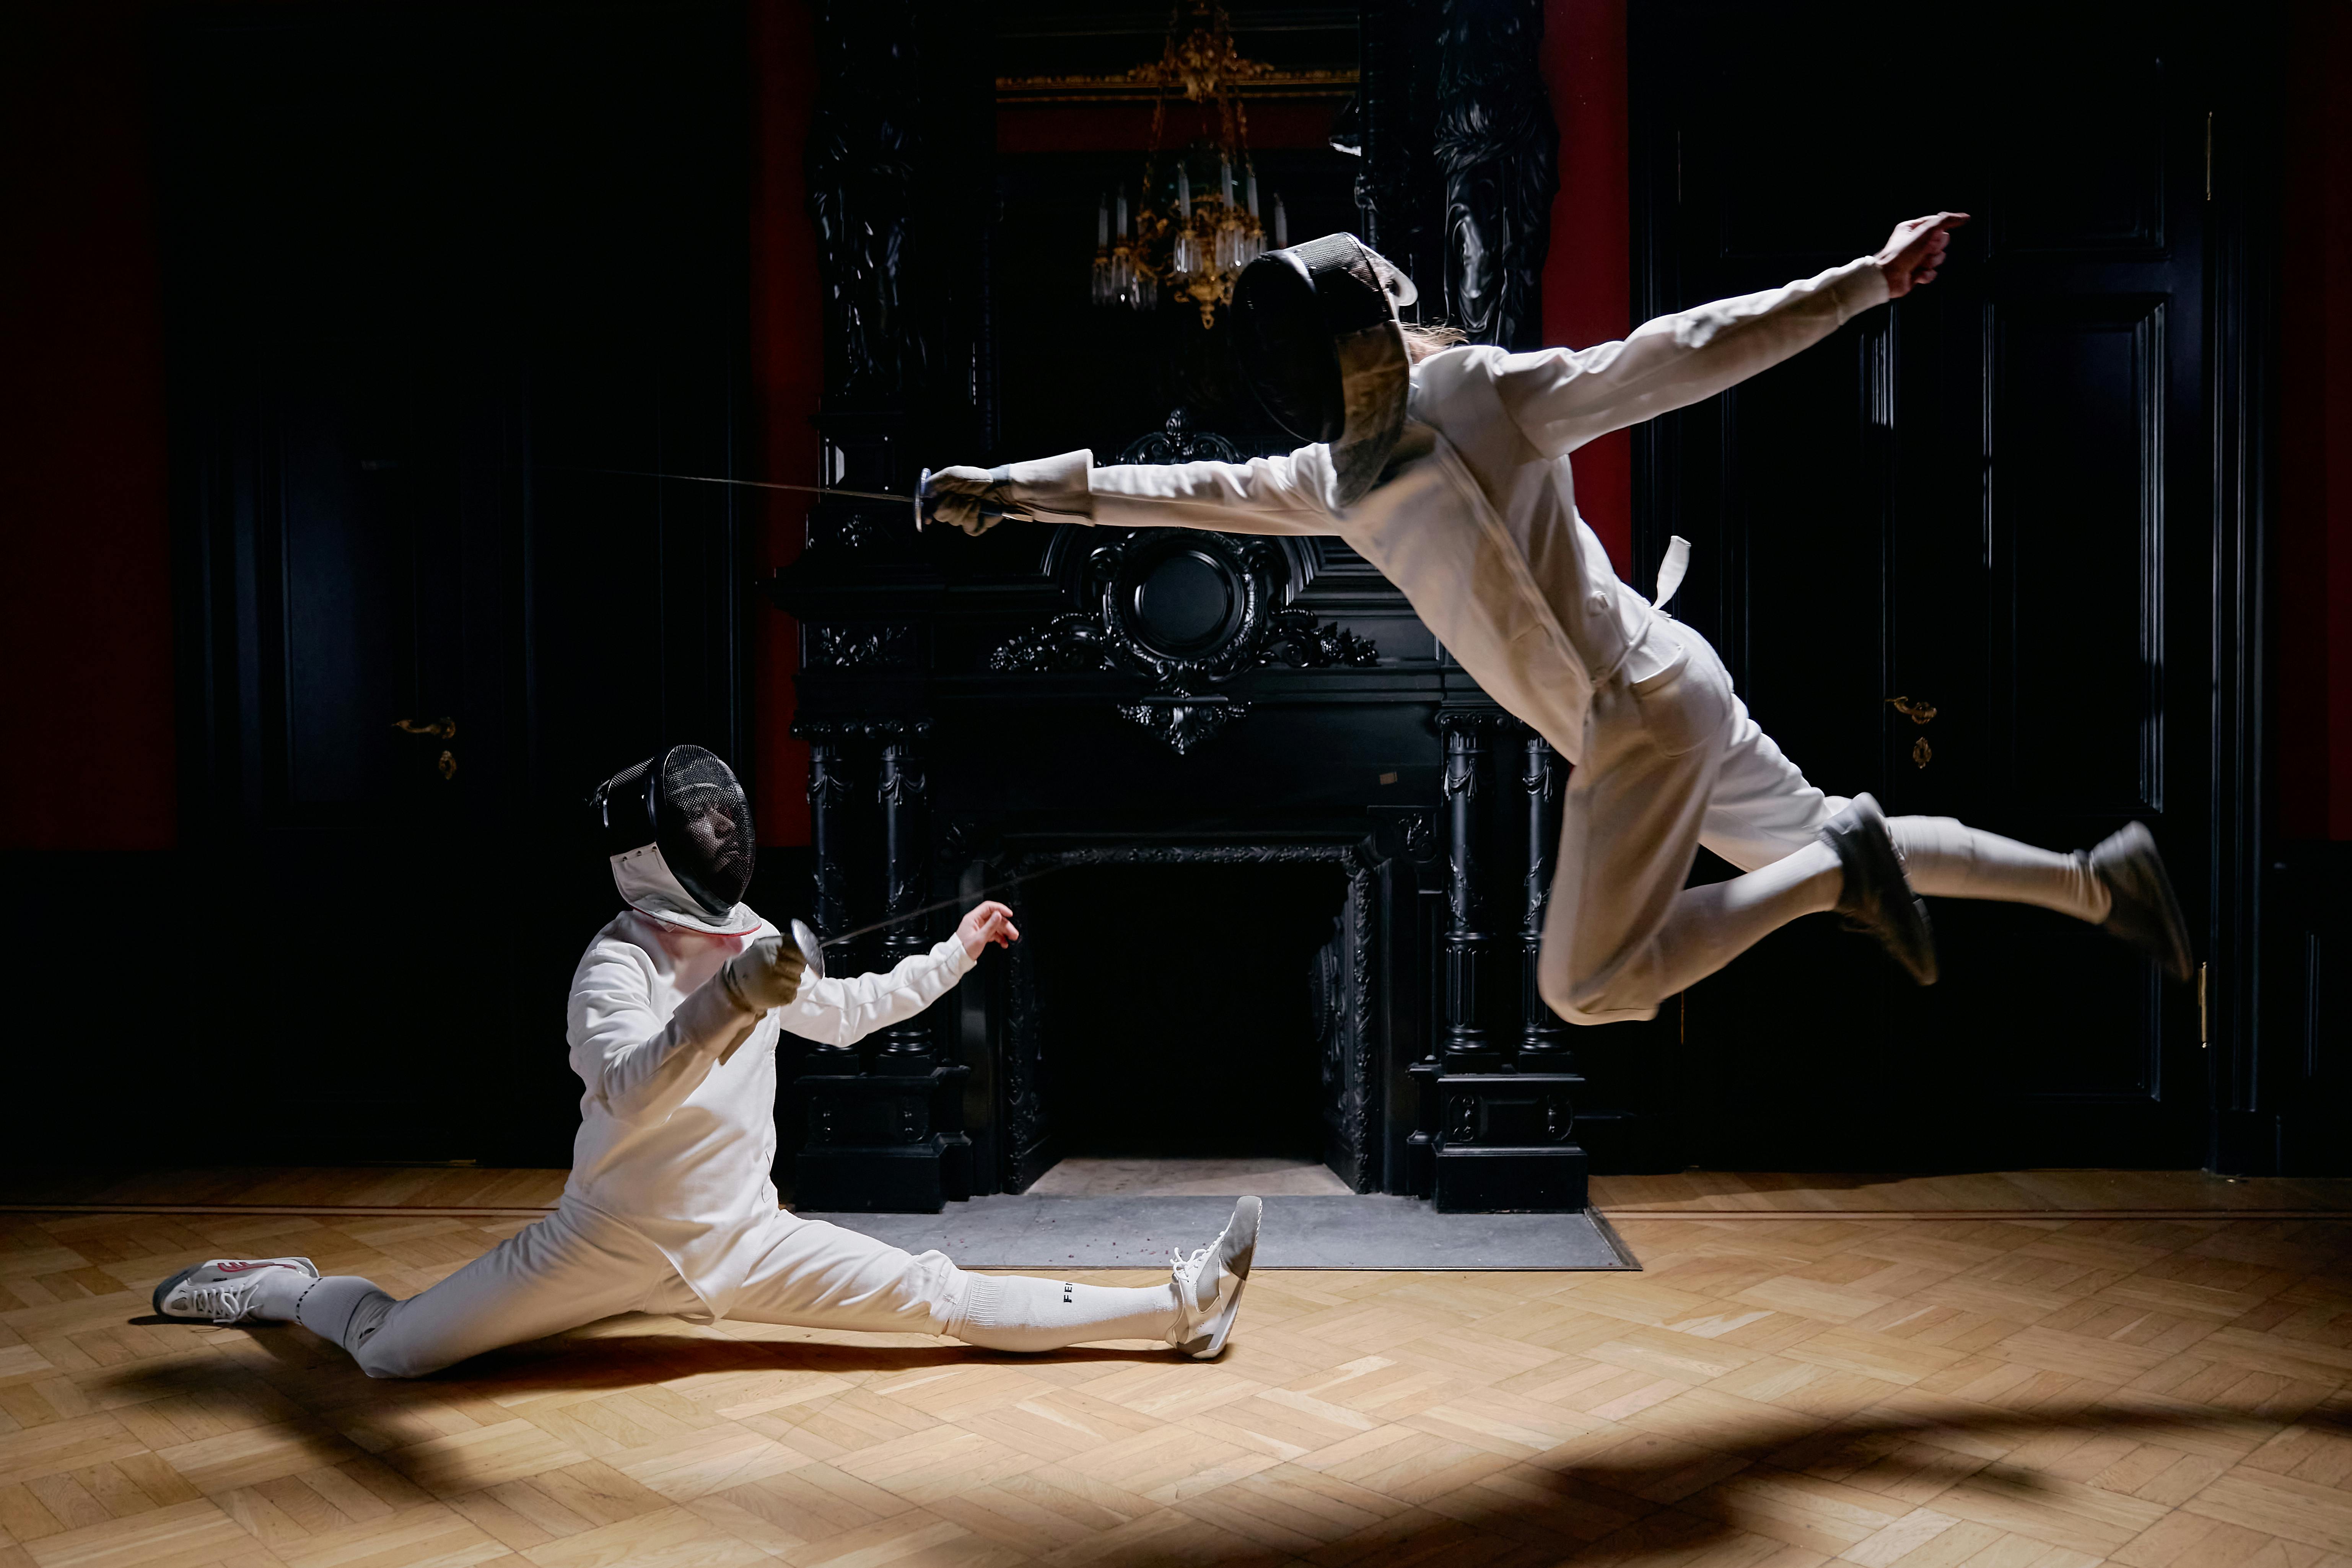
point(1186, 611)
point(863, 154)
point(1498, 151)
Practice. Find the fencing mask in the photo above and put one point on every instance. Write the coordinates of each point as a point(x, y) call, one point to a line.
point(678, 830)
point(1315, 328)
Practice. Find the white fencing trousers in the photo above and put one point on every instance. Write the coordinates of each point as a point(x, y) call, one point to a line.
point(576, 1268)
point(1673, 762)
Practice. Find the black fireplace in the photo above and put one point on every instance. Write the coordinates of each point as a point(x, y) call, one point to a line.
point(1191, 1002)
point(1255, 730)
point(1252, 820)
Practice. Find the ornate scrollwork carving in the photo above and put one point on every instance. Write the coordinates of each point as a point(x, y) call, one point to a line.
point(1299, 640)
point(869, 647)
point(862, 151)
point(1420, 836)
point(1182, 724)
point(1176, 442)
point(1069, 644)
point(1188, 612)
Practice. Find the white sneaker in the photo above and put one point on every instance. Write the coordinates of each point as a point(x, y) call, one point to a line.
point(222, 1291)
point(1204, 1308)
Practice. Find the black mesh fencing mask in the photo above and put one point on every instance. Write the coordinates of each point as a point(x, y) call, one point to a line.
point(685, 803)
point(1315, 329)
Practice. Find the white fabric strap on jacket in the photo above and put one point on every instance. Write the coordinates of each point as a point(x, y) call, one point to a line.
point(1672, 570)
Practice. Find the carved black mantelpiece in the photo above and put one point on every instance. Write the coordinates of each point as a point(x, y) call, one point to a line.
point(1185, 611)
point(1044, 695)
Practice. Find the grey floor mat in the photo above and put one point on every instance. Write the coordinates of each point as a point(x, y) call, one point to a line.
point(1018, 1232)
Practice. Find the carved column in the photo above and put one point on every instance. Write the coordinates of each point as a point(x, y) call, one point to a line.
point(1498, 151)
point(1465, 1045)
point(830, 835)
point(903, 793)
point(1543, 1038)
point(1497, 1114)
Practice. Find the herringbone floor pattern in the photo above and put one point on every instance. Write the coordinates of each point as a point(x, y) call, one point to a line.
point(2013, 1392)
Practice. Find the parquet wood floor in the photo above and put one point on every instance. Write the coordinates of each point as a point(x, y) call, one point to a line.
point(1968, 1194)
point(2034, 1391)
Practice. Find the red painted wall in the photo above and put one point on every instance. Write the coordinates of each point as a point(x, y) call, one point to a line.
point(2314, 706)
point(86, 687)
point(1588, 290)
point(788, 376)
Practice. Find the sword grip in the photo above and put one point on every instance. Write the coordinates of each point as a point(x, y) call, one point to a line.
point(926, 510)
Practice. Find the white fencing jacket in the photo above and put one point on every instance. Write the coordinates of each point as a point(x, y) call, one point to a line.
point(1476, 522)
point(677, 1128)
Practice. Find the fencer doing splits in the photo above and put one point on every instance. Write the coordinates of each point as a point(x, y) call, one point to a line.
point(674, 1019)
point(1448, 467)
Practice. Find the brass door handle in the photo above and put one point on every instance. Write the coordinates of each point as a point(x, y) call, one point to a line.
point(439, 729)
point(1918, 712)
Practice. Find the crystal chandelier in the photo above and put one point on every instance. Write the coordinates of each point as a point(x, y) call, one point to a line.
point(1195, 246)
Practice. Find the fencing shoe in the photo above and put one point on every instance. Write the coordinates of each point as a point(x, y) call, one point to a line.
point(1204, 1308)
point(2145, 913)
point(1878, 897)
point(224, 1290)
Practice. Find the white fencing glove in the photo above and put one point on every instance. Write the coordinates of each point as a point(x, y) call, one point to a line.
point(765, 974)
point(1051, 489)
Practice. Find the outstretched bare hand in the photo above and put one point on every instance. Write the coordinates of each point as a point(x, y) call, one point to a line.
point(1915, 250)
point(988, 922)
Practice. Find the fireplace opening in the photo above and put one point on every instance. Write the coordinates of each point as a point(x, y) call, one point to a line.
point(1178, 1007)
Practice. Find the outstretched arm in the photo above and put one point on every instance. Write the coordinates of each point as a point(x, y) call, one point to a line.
point(843, 1011)
point(1264, 495)
point(1562, 398)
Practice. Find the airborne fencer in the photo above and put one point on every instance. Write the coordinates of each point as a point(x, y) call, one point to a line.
point(675, 1014)
point(1447, 465)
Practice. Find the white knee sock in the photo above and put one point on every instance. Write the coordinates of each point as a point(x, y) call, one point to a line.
point(341, 1307)
point(1950, 860)
point(1712, 925)
point(1017, 1312)
point(275, 1291)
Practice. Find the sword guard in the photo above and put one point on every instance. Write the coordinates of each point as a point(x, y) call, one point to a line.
point(811, 950)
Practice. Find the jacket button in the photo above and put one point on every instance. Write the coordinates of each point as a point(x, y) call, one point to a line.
point(1600, 603)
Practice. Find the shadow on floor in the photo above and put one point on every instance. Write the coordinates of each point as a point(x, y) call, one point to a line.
point(1644, 1498)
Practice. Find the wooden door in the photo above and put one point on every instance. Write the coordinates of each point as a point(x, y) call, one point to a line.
point(427, 265)
point(1987, 504)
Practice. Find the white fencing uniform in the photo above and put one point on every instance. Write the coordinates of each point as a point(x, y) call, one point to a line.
point(670, 1207)
point(1475, 523)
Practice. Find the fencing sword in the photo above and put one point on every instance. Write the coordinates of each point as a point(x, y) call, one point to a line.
point(925, 499)
point(812, 946)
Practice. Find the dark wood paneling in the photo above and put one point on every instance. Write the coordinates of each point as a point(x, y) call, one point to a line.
point(1997, 498)
point(423, 264)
